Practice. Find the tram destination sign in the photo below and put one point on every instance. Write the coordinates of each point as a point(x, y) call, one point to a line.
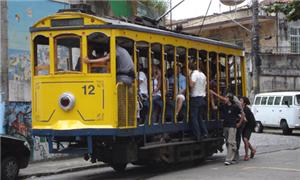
point(67, 22)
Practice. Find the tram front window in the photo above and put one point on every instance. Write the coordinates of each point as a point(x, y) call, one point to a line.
point(68, 54)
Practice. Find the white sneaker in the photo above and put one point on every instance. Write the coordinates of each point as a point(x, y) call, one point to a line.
point(227, 163)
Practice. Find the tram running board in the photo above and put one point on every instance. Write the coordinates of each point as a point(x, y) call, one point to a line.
point(160, 144)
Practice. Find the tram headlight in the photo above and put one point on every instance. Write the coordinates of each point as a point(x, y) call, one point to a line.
point(66, 101)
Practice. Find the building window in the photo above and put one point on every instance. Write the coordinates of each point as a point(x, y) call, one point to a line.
point(295, 40)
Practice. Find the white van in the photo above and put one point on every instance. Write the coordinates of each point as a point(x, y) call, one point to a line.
point(277, 109)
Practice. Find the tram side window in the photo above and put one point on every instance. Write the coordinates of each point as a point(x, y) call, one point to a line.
point(125, 64)
point(156, 78)
point(98, 47)
point(41, 55)
point(170, 71)
point(68, 54)
point(180, 80)
point(142, 53)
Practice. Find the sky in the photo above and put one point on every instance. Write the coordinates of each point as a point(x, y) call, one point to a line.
point(194, 8)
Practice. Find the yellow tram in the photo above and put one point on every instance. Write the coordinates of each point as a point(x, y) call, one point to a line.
point(81, 108)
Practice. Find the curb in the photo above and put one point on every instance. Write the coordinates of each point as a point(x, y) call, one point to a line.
point(73, 169)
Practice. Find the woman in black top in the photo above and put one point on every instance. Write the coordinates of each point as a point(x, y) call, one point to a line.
point(249, 128)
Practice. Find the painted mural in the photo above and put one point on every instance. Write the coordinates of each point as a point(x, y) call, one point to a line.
point(17, 122)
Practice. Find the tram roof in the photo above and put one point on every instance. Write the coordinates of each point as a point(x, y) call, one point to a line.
point(118, 24)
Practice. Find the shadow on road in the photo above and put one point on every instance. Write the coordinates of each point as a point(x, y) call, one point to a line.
point(145, 172)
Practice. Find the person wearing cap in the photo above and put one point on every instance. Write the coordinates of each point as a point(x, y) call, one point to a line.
point(248, 129)
point(240, 123)
point(233, 119)
point(197, 83)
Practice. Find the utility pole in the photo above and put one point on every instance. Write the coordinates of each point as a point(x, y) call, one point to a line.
point(256, 61)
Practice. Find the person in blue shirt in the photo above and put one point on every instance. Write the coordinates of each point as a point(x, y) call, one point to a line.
point(181, 87)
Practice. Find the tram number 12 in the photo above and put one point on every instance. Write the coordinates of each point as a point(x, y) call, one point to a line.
point(88, 90)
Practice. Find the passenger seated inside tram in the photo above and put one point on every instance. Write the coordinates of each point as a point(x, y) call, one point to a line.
point(143, 104)
point(180, 88)
point(156, 93)
point(124, 64)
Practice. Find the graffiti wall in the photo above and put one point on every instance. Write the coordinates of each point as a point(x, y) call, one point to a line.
point(17, 122)
point(21, 16)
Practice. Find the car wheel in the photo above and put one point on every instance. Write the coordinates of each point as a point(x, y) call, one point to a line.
point(9, 168)
point(259, 127)
point(285, 128)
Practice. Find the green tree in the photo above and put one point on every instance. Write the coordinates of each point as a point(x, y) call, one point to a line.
point(160, 6)
point(290, 9)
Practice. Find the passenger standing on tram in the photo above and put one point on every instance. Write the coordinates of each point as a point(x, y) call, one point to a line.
point(197, 84)
point(124, 64)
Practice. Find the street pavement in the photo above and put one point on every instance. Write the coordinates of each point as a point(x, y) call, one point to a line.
point(57, 166)
point(265, 144)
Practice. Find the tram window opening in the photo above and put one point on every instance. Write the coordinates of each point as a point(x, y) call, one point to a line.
point(157, 80)
point(181, 84)
point(202, 61)
point(222, 74)
point(142, 53)
point(41, 55)
point(67, 54)
point(98, 47)
point(203, 66)
point(170, 88)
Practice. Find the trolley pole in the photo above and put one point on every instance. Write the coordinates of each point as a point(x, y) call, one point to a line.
point(256, 61)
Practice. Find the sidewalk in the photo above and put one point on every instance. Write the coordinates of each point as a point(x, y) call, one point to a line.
point(51, 167)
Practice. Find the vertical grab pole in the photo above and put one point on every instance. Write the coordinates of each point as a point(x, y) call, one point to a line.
point(150, 84)
point(244, 83)
point(175, 83)
point(126, 104)
point(208, 86)
point(164, 93)
point(235, 76)
point(135, 88)
point(218, 82)
point(227, 71)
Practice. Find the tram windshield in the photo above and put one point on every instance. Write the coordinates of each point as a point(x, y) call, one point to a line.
point(68, 54)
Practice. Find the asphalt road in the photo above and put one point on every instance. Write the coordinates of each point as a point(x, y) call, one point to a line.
point(278, 157)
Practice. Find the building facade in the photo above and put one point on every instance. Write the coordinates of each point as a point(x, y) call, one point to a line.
point(279, 44)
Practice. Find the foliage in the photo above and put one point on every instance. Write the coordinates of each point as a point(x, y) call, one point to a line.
point(160, 6)
point(291, 9)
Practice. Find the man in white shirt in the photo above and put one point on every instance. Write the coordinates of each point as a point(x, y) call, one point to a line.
point(143, 85)
point(143, 94)
point(197, 84)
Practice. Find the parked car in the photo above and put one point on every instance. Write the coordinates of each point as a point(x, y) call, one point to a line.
point(277, 110)
point(15, 154)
